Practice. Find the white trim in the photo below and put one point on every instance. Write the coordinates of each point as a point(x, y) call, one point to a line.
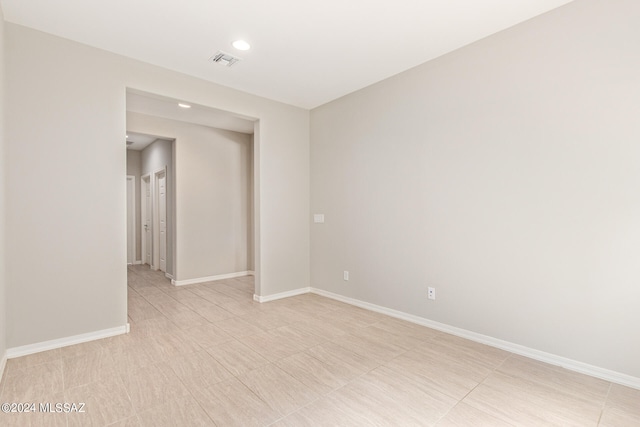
point(251, 273)
point(570, 364)
point(168, 276)
point(281, 295)
point(209, 278)
point(145, 184)
point(64, 342)
point(155, 217)
point(138, 262)
point(132, 178)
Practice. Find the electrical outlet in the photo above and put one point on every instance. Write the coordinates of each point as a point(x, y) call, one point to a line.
point(345, 275)
point(431, 294)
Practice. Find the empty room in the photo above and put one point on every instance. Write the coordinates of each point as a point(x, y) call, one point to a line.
point(320, 213)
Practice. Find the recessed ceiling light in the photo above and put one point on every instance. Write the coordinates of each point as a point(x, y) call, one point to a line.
point(241, 45)
point(181, 105)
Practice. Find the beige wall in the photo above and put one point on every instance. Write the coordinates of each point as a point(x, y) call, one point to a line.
point(134, 168)
point(506, 176)
point(67, 268)
point(212, 176)
point(251, 263)
point(3, 317)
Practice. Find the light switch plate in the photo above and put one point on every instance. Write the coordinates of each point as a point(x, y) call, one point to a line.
point(318, 218)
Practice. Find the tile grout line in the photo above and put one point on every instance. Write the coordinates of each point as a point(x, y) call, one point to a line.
point(196, 399)
point(383, 364)
point(124, 387)
point(476, 386)
point(604, 403)
point(294, 411)
point(204, 349)
point(135, 409)
point(310, 355)
point(3, 380)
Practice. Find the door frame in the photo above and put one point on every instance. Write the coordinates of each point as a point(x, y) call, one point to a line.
point(155, 217)
point(145, 183)
point(131, 216)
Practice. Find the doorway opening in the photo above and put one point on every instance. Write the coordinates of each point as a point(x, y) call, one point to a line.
point(150, 162)
point(198, 212)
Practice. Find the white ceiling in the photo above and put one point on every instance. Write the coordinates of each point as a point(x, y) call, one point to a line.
point(138, 141)
point(168, 108)
point(304, 53)
point(155, 105)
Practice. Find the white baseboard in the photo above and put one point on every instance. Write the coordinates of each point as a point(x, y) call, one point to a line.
point(251, 273)
point(209, 278)
point(570, 364)
point(64, 342)
point(168, 276)
point(281, 295)
point(138, 262)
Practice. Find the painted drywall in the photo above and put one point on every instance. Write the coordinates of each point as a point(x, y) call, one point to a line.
point(213, 180)
point(3, 308)
point(134, 168)
point(251, 263)
point(506, 176)
point(66, 198)
point(159, 155)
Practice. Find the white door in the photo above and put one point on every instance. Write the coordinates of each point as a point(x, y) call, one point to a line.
point(146, 221)
point(162, 220)
point(131, 219)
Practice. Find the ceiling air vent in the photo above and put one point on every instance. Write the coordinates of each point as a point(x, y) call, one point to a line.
point(224, 58)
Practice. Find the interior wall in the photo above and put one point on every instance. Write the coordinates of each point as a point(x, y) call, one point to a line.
point(506, 176)
point(3, 316)
point(66, 122)
point(251, 262)
point(155, 156)
point(134, 168)
point(213, 187)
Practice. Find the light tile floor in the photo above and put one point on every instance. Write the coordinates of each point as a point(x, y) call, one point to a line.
point(207, 354)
